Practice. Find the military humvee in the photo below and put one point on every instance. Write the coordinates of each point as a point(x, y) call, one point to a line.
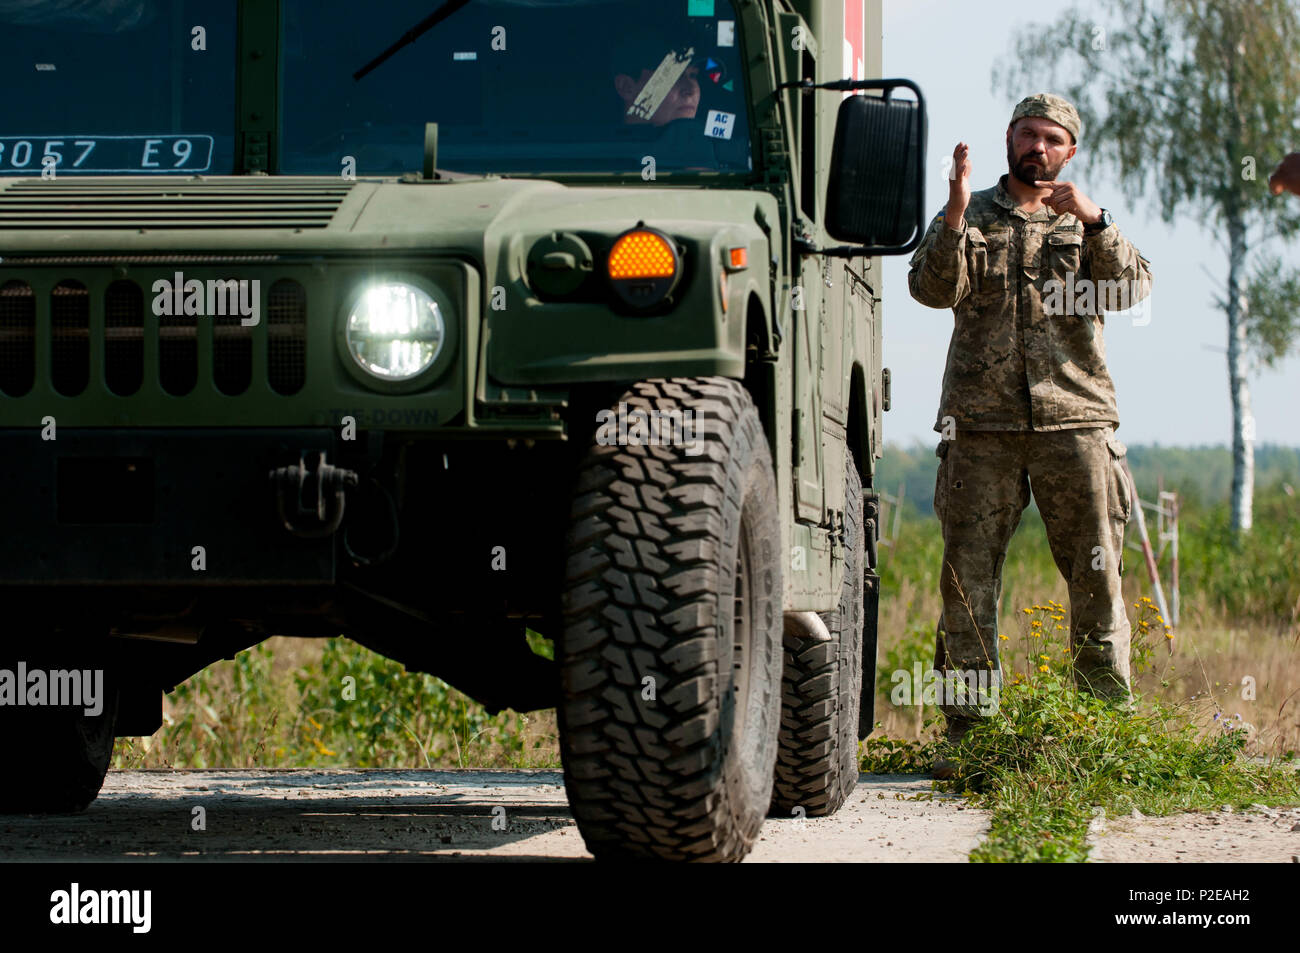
point(431, 324)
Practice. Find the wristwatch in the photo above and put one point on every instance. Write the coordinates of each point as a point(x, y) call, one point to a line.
point(1096, 227)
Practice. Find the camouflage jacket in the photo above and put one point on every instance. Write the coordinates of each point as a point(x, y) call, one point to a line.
point(1026, 354)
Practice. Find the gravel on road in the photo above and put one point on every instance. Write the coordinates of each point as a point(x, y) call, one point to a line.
point(440, 815)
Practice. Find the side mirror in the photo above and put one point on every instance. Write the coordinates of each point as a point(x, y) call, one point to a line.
point(876, 194)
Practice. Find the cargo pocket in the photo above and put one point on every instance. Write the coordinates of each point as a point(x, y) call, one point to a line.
point(1119, 495)
point(941, 480)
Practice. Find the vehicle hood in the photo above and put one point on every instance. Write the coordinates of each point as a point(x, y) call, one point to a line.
point(465, 215)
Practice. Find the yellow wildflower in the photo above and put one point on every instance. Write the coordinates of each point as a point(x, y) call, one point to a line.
point(1043, 668)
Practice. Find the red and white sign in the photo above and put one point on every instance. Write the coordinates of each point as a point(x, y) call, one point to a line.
point(854, 40)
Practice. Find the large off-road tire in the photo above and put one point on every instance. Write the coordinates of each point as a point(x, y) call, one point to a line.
point(671, 651)
point(55, 757)
point(817, 762)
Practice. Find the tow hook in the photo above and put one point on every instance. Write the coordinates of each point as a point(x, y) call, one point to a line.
point(316, 490)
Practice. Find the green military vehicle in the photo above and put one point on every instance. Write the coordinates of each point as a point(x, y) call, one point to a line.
point(430, 324)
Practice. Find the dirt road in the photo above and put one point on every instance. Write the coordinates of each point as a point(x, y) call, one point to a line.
point(440, 815)
point(1257, 835)
point(523, 815)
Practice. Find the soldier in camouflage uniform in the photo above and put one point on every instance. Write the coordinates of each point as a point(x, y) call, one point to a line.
point(1027, 400)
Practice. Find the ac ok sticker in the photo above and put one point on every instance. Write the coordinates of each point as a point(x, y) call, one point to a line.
point(719, 125)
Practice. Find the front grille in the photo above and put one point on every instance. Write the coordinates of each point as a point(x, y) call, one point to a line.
point(118, 316)
point(232, 354)
point(70, 338)
point(17, 338)
point(286, 343)
point(178, 353)
point(124, 338)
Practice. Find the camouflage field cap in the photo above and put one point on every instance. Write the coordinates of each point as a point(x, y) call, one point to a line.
point(1047, 106)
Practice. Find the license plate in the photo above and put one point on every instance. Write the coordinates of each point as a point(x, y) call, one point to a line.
point(158, 154)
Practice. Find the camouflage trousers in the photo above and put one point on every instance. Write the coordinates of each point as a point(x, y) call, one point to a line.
point(1082, 492)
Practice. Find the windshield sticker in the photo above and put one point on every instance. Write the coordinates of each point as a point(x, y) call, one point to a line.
point(659, 85)
point(726, 33)
point(29, 155)
point(699, 8)
point(719, 125)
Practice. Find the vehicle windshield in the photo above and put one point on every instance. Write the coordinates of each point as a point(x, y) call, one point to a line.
point(524, 86)
point(130, 87)
point(117, 87)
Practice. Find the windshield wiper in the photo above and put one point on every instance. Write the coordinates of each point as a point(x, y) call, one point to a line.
point(413, 34)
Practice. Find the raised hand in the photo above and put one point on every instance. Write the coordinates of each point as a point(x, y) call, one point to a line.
point(958, 186)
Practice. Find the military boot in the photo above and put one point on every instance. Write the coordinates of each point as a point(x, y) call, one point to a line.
point(944, 768)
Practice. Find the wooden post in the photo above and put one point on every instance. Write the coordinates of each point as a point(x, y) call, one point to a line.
point(1173, 619)
point(1147, 552)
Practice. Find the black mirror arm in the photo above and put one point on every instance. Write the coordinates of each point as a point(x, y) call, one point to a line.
point(865, 251)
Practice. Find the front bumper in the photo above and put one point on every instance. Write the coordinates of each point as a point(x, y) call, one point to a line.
point(155, 507)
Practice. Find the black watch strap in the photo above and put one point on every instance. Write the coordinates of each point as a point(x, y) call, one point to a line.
point(1096, 227)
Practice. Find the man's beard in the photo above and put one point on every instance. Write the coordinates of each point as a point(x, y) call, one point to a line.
point(1029, 174)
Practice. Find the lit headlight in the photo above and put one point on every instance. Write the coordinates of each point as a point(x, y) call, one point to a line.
point(395, 331)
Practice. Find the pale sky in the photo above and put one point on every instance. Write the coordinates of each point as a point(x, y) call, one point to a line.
point(1170, 375)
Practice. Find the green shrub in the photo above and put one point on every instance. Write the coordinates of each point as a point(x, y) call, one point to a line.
point(350, 709)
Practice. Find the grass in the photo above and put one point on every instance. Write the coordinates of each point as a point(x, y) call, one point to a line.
point(1237, 646)
point(1051, 758)
point(332, 704)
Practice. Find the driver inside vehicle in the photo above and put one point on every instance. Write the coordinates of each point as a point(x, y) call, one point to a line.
point(657, 84)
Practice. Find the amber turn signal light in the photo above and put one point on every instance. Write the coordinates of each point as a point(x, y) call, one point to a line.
point(642, 254)
point(643, 267)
